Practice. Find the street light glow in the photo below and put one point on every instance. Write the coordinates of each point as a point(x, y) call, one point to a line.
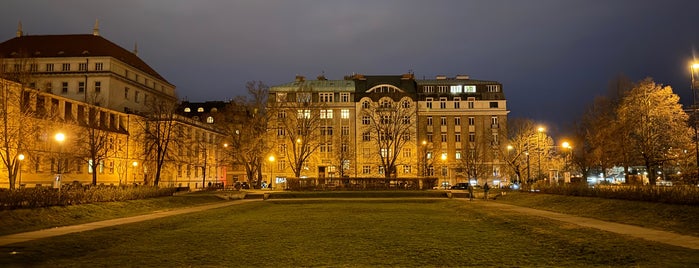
point(60, 137)
point(509, 147)
point(271, 158)
point(20, 157)
point(695, 66)
point(135, 164)
point(566, 145)
point(541, 129)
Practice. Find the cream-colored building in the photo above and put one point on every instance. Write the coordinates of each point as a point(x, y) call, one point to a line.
point(457, 127)
point(72, 84)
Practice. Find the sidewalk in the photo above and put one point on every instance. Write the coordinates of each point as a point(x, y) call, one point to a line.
point(22, 237)
point(665, 237)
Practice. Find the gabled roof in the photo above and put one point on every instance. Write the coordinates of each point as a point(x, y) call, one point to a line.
point(69, 46)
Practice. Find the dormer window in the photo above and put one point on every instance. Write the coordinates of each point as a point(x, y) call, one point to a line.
point(187, 110)
point(200, 110)
point(210, 119)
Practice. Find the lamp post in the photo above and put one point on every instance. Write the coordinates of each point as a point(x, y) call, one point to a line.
point(540, 130)
point(445, 171)
point(60, 138)
point(511, 161)
point(20, 157)
point(271, 170)
point(566, 145)
point(529, 177)
point(424, 158)
point(135, 165)
point(694, 69)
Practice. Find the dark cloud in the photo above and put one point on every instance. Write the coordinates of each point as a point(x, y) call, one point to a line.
point(552, 56)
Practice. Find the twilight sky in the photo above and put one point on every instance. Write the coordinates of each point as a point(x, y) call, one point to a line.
point(552, 56)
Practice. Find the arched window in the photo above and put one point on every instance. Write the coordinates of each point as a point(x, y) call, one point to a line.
point(187, 110)
point(200, 110)
point(210, 119)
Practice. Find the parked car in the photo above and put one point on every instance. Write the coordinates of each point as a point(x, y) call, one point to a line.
point(460, 186)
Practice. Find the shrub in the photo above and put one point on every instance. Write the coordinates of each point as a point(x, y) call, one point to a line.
point(684, 195)
point(72, 194)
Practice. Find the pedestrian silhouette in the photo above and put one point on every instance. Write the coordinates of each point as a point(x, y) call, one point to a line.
point(470, 192)
point(486, 187)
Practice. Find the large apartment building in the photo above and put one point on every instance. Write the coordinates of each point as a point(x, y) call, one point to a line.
point(94, 92)
point(452, 129)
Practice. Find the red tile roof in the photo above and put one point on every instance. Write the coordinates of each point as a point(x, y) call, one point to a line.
point(71, 45)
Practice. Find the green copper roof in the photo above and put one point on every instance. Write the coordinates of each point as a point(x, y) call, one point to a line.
point(316, 85)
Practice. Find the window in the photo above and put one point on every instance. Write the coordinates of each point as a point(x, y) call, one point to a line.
point(281, 131)
point(384, 152)
point(406, 136)
point(493, 88)
point(382, 170)
point(457, 137)
point(494, 121)
point(470, 105)
point(406, 169)
point(493, 104)
point(429, 137)
point(365, 105)
point(135, 98)
point(428, 89)
point(65, 67)
point(81, 87)
point(471, 121)
point(429, 120)
point(49, 67)
point(456, 89)
point(366, 120)
point(82, 67)
point(458, 155)
point(366, 169)
point(442, 103)
point(443, 120)
point(442, 89)
point(303, 97)
point(210, 120)
point(429, 155)
point(345, 131)
point(126, 93)
point(457, 104)
point(472, 136)
point(64, 87)
point(33, 67)
point(326, 114)
point(457, 121)
point(386, 119)
point(366, 136)
point(344, 147)
point(405, 104)
point(495, 139)
point(406, 120)
point(444, 137)
point(344, 97)
point(98, 86)
point(282, 148)
point(385, 104)
point(281, 97)
point(326, 131)
point(98, 66)
point(303, 114)
point(344, 114)
point(470, 89)
point(407, 152)
point(187, 110)
point(325, 97)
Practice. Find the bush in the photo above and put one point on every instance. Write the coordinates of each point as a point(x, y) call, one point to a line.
point(683, 195)
point(73, 194)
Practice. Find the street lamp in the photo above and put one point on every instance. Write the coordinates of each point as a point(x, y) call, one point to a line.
point(20, 157)
point(694, 69)
point(135, 165)
point(271, 170)
point(566, 145)
point(445, 171)
point(540, 131)
point(60, 138)
point(529, 176)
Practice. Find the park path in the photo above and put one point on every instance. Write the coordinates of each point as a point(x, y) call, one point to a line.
point(665, 237)
point(23, 237)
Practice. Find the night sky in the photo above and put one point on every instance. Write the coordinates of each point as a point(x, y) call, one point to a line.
point(552, 57)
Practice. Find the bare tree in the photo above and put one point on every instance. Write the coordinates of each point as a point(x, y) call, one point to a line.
point(94, 138)
point(158, 130)
point(343, 153)
point(15, 110)
point(298, 123)
point(245, 124)
point(391, 127)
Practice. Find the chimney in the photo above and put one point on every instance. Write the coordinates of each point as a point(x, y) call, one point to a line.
point(462, 77)
point(441, 77)
point(299, 78)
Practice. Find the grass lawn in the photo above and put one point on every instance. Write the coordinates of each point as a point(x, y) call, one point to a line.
point(682, 219)
point(347, 233)
point(24, 220)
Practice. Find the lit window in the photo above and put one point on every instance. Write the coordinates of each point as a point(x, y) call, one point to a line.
point(200, 110)
point(345, 114)
point(470, 89)
point(456, 89)
point(344, 97)
point(326, 114)
point(210, 119)
point(187, 110)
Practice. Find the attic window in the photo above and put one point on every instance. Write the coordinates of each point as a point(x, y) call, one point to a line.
point(213, 110)
point(61, 52)
point(187, 110)
point(200, 110)
point(85, 52)
point(210, 119)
